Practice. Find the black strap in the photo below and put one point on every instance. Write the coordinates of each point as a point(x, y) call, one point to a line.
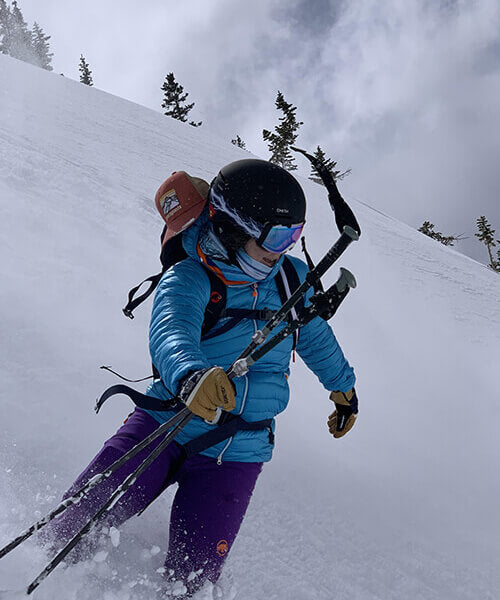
point(172, 252)
point(292, 282)
point(133, 303)
point(227, 427)
point(140, 400)
point(216, 304)
point(318, 286)
point(236, 315)
point(263, 314)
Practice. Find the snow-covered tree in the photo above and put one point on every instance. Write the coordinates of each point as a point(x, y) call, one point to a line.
point(329, 164)
point(486, 234)
point(239, 142)
point(174, 99)
point(18, 41)
point(20, 36)
point(40, 45)
point(284, 135)
point(85, 72)
point(5, 26)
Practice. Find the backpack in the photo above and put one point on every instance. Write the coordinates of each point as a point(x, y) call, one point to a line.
point(180, 200)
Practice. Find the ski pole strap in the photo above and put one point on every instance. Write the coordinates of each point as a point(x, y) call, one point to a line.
point(227, 426)
point(141, 400)
point(133, 303)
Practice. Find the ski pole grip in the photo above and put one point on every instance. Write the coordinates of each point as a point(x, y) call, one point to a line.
point(345, 281)
point(351, 232)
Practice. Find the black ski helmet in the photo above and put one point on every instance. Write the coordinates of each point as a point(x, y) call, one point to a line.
point(250, 193)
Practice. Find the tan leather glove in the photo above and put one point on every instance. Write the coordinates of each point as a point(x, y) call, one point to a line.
point(207, 391)
point(343, 419)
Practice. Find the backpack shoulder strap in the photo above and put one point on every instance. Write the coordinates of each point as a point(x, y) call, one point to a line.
point(213, 310)
point(287, 281)
point(216, 303)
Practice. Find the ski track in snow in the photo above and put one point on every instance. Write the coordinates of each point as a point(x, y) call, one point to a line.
point(404, 507)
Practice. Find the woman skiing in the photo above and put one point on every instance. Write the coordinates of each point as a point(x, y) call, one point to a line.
point(255, 214)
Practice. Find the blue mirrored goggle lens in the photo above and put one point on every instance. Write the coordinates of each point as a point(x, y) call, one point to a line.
point(281, 238)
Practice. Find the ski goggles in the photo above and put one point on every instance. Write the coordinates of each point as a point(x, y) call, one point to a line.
point(273, 238)
point(279, 238)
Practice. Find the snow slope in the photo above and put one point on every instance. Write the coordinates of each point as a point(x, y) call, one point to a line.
point(405, 506)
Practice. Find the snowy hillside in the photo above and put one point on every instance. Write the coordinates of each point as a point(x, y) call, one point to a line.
point(404, 507)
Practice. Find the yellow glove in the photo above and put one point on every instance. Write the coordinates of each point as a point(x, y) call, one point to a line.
point(207, 391)
point(342, 420)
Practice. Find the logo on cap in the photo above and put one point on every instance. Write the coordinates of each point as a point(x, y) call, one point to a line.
point(169, 203)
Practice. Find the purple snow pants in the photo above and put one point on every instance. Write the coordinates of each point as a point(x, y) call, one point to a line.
point(207, 510)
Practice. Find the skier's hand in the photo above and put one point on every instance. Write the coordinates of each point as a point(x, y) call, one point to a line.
point(342, 420)
point(207, 391)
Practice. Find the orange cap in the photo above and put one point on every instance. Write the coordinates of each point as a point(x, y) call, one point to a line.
point(180, 200)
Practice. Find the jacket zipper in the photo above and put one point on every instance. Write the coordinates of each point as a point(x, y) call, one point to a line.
point(255, 296)
point(245, 393)
point(219, 458)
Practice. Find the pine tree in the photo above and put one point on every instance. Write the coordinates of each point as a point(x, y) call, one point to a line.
point(40, 44)
point(447, 240)
point(239, 142)
point(173, 100)
point(20, 36)
point(85, 72)
point(284, 135)
point(18, 41)
point(329, 164)
point(486, 235)
point(5, 27)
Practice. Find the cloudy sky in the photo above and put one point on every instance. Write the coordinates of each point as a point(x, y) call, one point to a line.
point(405, 93)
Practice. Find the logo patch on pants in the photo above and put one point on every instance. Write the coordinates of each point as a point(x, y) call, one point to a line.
point(222, 547)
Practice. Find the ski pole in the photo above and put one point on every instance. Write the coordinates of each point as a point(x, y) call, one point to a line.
point(182, 419)
point(95, 480)
point(186, 415)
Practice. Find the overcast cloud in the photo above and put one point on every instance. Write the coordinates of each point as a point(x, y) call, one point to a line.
point(407, 94)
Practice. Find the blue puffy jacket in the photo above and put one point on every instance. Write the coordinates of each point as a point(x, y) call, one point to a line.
point(178, 312)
